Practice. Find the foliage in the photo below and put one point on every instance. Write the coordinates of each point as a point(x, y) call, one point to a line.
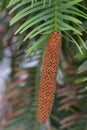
point(44, 17)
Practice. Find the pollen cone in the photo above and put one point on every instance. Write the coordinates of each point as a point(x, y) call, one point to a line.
point(49, 73)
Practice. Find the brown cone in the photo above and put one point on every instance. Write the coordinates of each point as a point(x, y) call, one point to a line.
point(48, 80)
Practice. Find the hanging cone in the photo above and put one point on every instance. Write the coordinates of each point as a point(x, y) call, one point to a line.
point(48, 80)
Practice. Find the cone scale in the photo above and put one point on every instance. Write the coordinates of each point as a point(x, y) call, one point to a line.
point(48, 79)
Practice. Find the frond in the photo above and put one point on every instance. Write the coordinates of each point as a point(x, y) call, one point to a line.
point(43, 17)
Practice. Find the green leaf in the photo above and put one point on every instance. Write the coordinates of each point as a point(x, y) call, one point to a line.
point(83, 67)
point(37, 44)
